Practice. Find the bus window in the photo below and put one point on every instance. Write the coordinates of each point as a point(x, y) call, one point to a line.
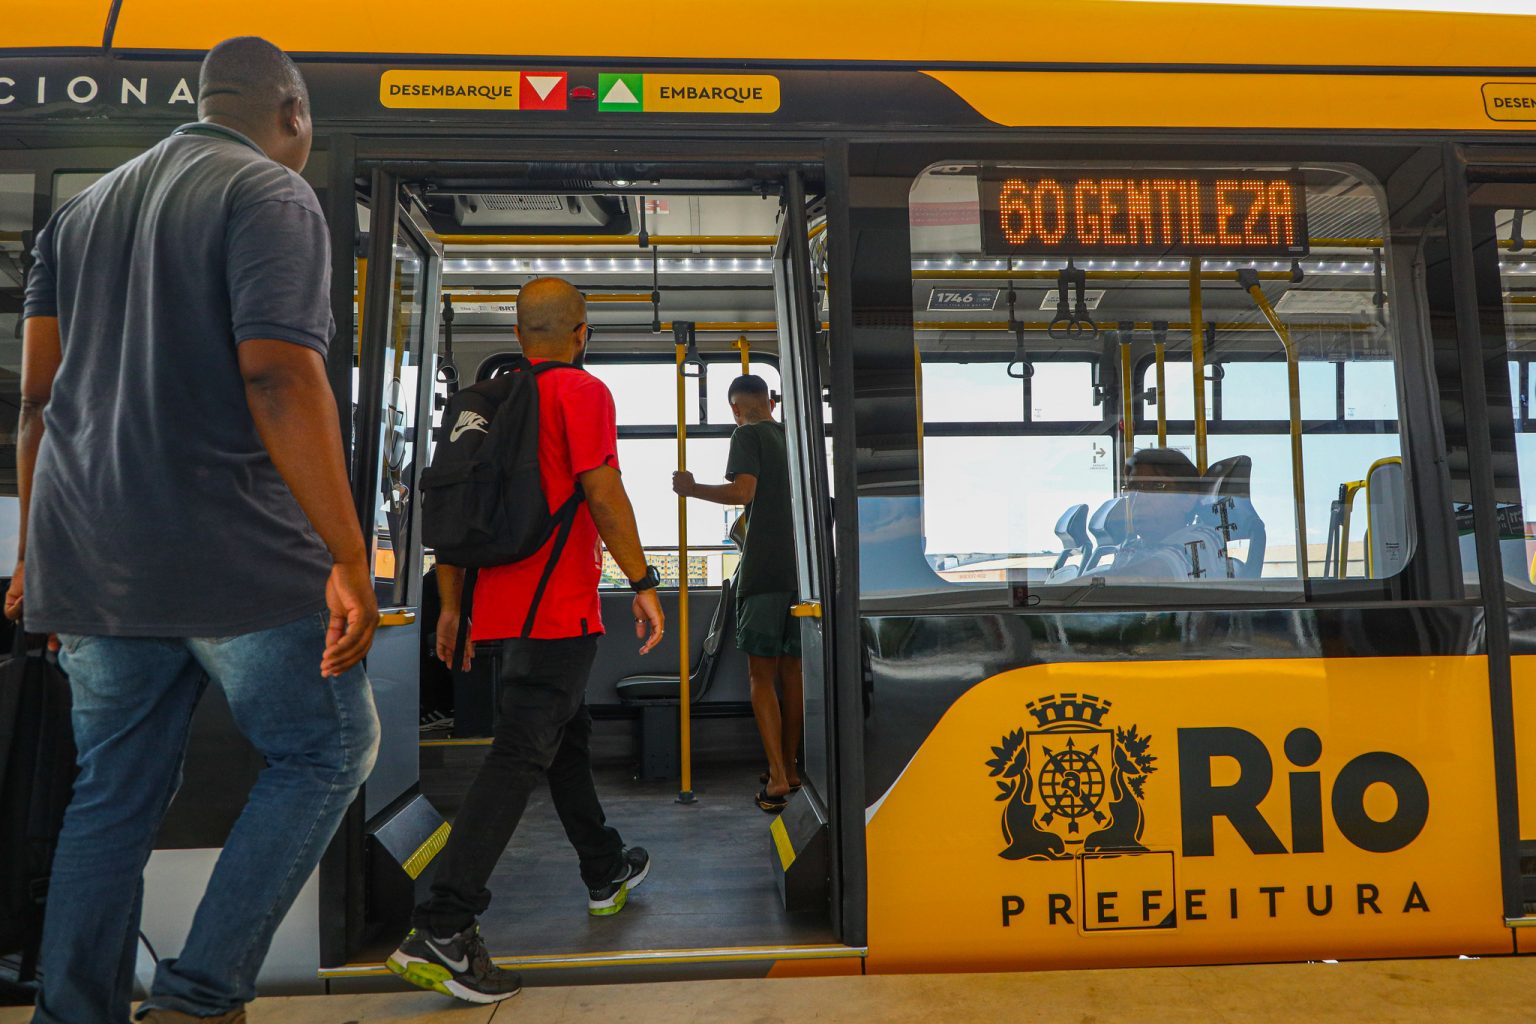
point(1063, 448)
point(68, 184)
point(16, 195)
point(1516, 234)
point(645, 401)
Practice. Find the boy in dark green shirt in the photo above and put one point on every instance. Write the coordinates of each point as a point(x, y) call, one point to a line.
point(758, 473)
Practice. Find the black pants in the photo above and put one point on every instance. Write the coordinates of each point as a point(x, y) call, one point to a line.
point(542, 728)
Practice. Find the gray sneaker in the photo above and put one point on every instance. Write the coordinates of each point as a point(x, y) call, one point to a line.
point(458, 966)
point(610, 899)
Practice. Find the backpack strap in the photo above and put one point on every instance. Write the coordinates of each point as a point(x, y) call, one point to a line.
point(567, 519)
point(542, 367)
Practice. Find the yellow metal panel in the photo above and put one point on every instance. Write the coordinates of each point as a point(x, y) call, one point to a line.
point(781, 843)
point(1111, 31)
point(426, 851)
point(1523, 679)
point(37, 23)
point(984, 865)
point(1217, 100)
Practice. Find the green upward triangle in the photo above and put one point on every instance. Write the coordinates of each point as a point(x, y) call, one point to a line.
point(620, 92)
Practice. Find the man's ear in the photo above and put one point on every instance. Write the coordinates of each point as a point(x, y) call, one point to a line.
point(291, 114)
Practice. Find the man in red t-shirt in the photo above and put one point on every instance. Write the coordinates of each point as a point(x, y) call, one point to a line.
point(542, 725)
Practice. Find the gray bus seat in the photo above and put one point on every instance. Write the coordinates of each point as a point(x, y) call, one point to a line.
point(1109, 525)
point(646, 689)
point(1072, 529)
point(1231, 478)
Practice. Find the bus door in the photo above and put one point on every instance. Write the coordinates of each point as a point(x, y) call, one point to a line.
point(394, 830)
point(1502, 215)
point(801, 346)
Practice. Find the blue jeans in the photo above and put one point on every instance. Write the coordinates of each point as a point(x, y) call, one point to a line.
point(133, 703)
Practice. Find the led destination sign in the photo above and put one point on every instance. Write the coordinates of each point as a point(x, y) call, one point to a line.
point(1150, 213)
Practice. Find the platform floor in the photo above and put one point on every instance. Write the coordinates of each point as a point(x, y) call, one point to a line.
point(1488, 991)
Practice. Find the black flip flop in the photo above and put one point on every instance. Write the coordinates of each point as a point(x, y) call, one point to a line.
point(770, 804)
point(763, 778)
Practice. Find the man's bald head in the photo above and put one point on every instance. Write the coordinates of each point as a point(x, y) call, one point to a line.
point(254, 87)
point(549, 311)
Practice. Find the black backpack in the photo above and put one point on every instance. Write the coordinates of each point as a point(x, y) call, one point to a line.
point(37, 774)
point(482, 500)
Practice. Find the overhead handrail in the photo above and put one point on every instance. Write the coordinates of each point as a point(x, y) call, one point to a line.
point(509, 297)
point(1141, 325)
point(618, 241)
point(1091, 275)
point(1250, 284)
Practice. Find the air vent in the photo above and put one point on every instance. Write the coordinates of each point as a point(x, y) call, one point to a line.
point(522, 204)
point(543, 214)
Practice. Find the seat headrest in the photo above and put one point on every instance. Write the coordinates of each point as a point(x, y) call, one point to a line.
point(1110, 522)
point(1229, 478)
point(1072, 527)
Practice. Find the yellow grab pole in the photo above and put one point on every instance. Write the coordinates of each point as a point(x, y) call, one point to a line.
point(1127, 408)
point(1197, 359)
point(1293, 385)
point(362, 293)
point(744, 346)
point(685, 712)
point(1162, 397)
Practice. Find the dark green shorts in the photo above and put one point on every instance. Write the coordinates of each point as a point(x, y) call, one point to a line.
point(765, 628)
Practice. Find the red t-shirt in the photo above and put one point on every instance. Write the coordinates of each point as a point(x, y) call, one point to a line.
point(578, 432)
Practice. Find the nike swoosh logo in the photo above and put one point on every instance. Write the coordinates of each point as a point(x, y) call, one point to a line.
point(460, 965)
point(468, 421)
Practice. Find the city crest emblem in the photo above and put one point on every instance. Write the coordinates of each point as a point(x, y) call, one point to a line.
point(1072, 785)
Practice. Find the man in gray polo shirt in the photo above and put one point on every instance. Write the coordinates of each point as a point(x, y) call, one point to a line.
point(186, 513)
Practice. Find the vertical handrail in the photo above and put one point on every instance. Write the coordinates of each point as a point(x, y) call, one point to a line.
point(744, 346)
point(1249, 282)
point(1160, 345)
point(684, 679)
point(1127, 406)
point(1197, 358)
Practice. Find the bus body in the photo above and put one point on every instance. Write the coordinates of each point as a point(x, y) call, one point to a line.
point(1318, 746)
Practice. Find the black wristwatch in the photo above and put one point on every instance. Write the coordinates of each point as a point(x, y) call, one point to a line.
point(650, 581)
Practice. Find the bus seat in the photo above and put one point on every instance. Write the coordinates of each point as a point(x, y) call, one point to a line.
point(1072, 529)
point(1109, 525)
point(1232, 478)
point(645, 689)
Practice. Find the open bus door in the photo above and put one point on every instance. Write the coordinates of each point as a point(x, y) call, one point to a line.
point(392, 831)
point(801, 834)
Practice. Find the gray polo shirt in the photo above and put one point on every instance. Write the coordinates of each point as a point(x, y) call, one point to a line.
point(155, 509)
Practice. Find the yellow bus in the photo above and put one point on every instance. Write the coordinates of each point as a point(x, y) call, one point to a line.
point(1269, 695)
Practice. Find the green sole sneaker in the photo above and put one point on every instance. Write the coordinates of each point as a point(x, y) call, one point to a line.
point(610, 899)
point(459, 968)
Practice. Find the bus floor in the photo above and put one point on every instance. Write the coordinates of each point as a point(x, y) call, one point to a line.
point(711, 883)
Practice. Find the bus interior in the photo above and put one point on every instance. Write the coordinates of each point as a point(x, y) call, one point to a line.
point(687, 284)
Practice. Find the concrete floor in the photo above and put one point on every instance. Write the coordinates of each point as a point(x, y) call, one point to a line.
point(1488, 991)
